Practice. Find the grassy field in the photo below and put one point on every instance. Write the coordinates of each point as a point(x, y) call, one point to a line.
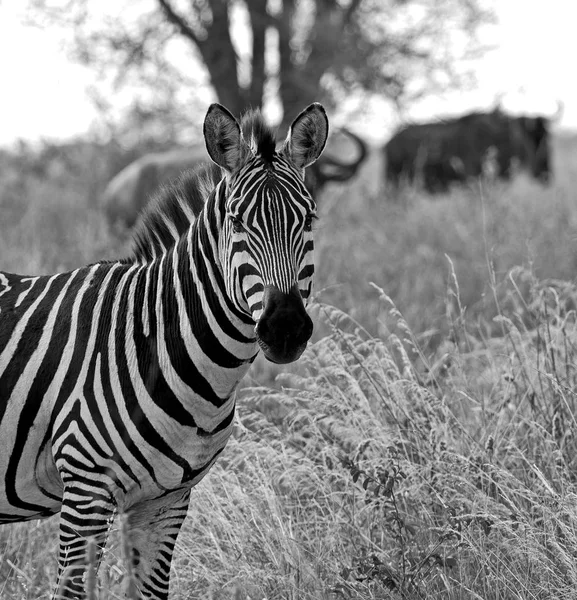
point(424, 446)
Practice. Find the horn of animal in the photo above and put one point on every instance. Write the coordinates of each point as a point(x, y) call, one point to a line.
point(330, 168)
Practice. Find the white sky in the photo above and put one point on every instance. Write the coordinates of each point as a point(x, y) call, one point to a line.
point(533, 64)
point(42, 94)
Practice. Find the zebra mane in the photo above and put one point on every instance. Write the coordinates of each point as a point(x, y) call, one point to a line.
point(172, 210)
point(259, 136)
point(177, 204)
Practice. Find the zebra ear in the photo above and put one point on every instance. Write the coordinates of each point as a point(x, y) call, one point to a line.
point(307, 136)
point(222, 137)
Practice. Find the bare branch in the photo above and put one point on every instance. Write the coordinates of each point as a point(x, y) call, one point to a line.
point(179, 22)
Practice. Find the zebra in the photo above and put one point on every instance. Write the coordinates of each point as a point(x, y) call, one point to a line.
point(117, 379)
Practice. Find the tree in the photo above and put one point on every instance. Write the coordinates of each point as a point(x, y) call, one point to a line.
point(268, 53)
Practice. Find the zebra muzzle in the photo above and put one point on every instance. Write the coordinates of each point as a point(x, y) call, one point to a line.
point(284, 327)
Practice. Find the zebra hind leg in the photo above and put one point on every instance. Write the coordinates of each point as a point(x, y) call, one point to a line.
point(84, 522)
point(153, 527)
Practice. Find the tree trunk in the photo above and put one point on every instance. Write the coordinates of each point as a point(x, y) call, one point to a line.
point(220, 57)
point(259, 21)
point(294, 92)
point(221, 60)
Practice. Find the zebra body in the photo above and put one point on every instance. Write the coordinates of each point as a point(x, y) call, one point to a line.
point(77, 356)
point(117, 379)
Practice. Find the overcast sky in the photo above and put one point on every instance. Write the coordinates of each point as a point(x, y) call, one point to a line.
point(533, 65)
point(43, 95)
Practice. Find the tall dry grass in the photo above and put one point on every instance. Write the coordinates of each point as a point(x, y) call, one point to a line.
point(423, 447)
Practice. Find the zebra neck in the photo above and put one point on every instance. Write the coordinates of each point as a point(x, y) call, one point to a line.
point(204, 345)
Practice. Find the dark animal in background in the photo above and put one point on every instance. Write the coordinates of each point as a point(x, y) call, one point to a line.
point(454, 150)
point(130, 190)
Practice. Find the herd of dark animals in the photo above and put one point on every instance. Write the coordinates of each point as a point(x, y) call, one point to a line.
point(434, 155)
point(457, 150)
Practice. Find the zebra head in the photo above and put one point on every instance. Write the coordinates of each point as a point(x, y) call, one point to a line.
point(266, 239)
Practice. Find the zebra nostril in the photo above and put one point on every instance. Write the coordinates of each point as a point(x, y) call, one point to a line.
point(302, 331)
point(262, 328)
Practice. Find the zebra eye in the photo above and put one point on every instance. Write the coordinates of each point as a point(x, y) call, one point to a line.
point(309, 222)
point(237, 226)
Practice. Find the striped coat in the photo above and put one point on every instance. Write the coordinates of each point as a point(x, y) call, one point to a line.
point(117, 379)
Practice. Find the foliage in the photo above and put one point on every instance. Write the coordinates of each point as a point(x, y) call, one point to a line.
point(258, 53)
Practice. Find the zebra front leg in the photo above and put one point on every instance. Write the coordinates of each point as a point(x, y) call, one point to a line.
point(86, 515)
point(153, 527)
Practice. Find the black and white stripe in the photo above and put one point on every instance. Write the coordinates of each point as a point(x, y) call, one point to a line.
point(117, 379)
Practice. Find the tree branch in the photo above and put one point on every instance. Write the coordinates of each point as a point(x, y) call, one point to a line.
point(219, 57)
point(179, 22)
